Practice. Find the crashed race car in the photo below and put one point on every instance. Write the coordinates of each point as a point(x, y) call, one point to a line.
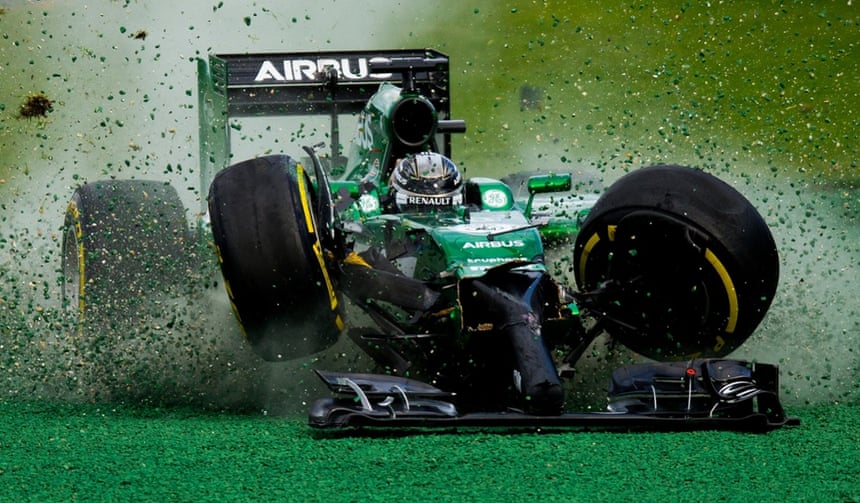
point(443, 280)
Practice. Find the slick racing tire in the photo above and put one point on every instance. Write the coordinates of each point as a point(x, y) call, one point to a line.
point(677, 263)
point(124, 242)
point(272, 261)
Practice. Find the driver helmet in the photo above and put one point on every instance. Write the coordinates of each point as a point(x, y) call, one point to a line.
point(426, 181)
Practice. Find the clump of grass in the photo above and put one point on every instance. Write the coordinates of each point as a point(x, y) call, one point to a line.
point(36, 105)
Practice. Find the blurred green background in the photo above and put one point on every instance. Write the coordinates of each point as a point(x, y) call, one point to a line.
point(762, 94)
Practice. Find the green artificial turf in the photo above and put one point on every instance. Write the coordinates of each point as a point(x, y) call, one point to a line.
point(52, 452)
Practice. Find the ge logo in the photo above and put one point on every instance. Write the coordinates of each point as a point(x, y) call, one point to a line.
point(365, 133)
point(494, 198)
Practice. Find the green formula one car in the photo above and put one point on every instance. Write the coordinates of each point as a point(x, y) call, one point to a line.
point(443, 281)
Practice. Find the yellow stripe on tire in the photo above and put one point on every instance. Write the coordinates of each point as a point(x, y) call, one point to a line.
point(729, 285)
point(82, 272)
point(589, 245)
point(317, 247)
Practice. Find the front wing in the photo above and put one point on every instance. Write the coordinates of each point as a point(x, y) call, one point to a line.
point(712, 401)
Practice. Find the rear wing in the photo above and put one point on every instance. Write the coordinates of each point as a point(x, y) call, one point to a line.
point(300, 83)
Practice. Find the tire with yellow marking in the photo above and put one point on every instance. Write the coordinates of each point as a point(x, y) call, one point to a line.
point(272, 260)
point(124, 242)
point(679, 262)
